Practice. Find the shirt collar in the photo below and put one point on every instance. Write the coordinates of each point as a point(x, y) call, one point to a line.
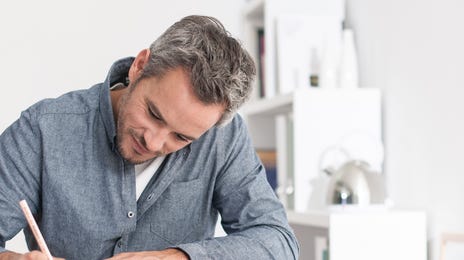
point(117, 73)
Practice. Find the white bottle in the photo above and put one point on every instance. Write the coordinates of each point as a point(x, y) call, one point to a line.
point(348, 77)
point(328, 75)
point(314, 64)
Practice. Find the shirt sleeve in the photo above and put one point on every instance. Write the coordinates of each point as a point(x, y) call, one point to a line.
point(20, 164)
point(252, 215)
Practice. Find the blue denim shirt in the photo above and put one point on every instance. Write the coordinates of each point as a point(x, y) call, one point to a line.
point(61, 156)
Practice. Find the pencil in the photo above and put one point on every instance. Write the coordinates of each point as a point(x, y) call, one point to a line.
point(35, 229)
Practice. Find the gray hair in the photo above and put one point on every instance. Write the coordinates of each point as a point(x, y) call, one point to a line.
point(220, 70)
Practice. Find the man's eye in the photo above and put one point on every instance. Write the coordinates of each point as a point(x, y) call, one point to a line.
point(182, 138)
point(153, 115)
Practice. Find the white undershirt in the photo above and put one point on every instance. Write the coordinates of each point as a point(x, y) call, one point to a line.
point(144, 172)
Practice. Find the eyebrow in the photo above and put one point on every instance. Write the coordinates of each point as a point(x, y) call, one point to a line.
point(156, 111)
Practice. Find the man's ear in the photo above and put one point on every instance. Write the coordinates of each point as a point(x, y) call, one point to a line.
point(137, 66)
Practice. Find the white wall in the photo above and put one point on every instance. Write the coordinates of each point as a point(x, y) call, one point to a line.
point(414, 51)
point(50, 47)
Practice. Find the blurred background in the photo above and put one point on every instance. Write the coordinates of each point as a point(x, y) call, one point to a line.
point(410, 51)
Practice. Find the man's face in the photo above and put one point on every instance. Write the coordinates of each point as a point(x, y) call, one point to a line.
point(158, 116)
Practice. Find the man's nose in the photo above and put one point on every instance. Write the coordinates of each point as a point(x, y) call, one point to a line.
point(156, 139)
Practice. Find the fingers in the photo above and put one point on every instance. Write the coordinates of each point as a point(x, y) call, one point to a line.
point(34, 255)
point(37, 255)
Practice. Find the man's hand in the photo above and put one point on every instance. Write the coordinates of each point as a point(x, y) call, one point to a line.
point(167, 254)
point(33, 255)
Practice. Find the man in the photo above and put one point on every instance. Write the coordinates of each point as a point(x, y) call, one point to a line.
point(140, 166)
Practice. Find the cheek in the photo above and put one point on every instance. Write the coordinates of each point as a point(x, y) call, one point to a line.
point(135, 118)
point(174, 145)
point(134, 112)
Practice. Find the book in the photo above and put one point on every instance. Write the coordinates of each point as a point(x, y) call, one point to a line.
point(268, 158)
point(261, 63)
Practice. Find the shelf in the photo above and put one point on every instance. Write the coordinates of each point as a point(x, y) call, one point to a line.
point(322, 218)
point(311, 218)
point(269, 106)
point(281, 104)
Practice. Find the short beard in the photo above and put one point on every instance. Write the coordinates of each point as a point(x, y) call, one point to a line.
point(120, 125)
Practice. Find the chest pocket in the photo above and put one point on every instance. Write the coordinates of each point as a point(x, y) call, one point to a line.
point(178, 211)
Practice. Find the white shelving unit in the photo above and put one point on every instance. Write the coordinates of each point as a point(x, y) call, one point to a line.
point(301, 126)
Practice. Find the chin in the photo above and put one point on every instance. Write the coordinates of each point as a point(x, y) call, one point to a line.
point(139, 160)
point(129, 156)
point(134, 158)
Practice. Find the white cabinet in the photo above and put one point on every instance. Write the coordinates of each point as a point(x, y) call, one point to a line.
point(303, 124)
point(367, 234)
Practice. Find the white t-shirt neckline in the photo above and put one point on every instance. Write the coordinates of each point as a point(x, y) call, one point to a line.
point(144, 172)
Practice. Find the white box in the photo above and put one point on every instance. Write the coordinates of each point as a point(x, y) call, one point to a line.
point(399, 235)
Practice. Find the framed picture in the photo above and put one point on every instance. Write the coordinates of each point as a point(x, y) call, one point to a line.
point(452, 246)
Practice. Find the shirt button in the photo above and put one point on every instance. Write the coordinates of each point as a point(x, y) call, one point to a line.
point(130, 214)
point(119, 244)
point(150, 197)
